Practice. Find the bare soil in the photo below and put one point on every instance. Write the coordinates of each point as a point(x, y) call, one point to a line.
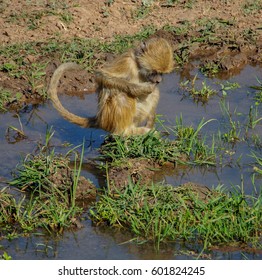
point(86, 191)
point(136, 171)
point(41, 20)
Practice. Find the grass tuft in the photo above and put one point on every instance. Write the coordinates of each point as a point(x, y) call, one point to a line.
point(187, 147)
point(163, 213)
point(149, 145)
point(48, 192)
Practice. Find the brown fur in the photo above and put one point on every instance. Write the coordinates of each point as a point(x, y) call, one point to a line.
point(127, 91)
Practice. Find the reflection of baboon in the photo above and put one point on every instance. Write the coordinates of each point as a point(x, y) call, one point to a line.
point(127, 91)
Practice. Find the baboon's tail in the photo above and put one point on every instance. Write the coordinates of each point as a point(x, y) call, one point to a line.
point(52, 91)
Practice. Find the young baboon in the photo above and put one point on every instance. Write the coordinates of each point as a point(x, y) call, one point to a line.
point(127, 89)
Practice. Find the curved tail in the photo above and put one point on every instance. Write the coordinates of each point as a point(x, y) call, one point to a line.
point(52, 91)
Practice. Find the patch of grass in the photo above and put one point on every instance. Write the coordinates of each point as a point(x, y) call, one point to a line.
point(234, 127)
point(209, 29)
point(211, 25)
point(12, 68)
point(7, 206)
point(163, 213)
point(181, 56)
point(149, 145)
point(109, 2)
point(228, 86)
point(66, 17)
point(258, 163)
point(5, 96)
point(18, 66)
point(239, 127)
point(124, 42)
point(189, 3)
point(38, 11)
point(182, 28)
point(257, 141)
point(35, 75)
point(252, 7)
point(210, 69)
point(34, 18)
point(199, 95)
point(187, 143)
point(190, 142)
point(48, 187)
point(147, 3)
point(258, 92)
point(105, 12)
point(253, 117)
point(250, 35)
point(14, 134)
point(30, 18)
point(141, 12)
point(5, 256)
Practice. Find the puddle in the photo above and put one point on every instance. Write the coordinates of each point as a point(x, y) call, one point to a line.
point(96, 243)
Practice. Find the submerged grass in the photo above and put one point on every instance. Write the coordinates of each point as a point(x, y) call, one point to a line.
point(163, 213)
point(258, 93)
point(199, 95)
point(258, 163)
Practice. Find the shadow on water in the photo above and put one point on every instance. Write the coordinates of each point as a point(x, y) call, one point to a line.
point(98, 243)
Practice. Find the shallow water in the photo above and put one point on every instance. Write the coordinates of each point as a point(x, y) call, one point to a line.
point(96, 243)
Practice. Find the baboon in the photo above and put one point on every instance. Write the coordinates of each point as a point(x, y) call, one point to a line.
point(127, 89)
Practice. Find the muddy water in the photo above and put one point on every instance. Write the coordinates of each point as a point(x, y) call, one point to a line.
point(97, 243)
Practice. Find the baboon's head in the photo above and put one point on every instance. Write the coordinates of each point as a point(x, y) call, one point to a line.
point(155, 56)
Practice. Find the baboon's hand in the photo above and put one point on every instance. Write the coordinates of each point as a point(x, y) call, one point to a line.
point(149, 88)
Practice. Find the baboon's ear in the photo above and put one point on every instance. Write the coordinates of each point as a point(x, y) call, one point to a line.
point(140, 49)
point(143, 46)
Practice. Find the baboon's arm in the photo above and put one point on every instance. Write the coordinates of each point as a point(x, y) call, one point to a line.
point(132, 89)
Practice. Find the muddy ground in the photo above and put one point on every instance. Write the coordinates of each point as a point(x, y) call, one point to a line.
point(223, 35)
point(42, 20)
